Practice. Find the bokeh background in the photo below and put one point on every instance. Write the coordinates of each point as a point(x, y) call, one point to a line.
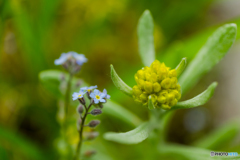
point(34, 33)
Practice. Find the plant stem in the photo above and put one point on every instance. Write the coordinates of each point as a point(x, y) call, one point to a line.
point(78, 149)
point(67, 95)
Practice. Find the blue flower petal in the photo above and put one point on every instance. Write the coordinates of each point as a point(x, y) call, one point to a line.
point(102, 100)
point(96, 101)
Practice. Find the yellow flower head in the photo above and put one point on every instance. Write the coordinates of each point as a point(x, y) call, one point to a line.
point(158, 81)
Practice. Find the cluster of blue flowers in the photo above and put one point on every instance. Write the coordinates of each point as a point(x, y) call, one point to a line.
point(71, 61)
point(79, 58)
point(93, 93)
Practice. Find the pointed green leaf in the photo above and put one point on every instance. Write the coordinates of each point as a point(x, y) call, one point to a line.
point(132, 137)
point(210, 54)
point(181, 66)
point(150, 103)
point(145, 38)
point(219, 137)
point(118, 82)
point(51, 80)
point(199, 100)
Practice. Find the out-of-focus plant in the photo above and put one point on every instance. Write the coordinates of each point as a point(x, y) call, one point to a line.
point(159, 89)
point(72, 62)
point(61, 84)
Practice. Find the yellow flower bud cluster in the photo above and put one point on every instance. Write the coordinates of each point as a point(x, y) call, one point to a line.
point(158, 81)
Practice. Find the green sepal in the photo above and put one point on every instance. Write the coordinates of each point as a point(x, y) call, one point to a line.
point(181, 66)
point(150, 103)
point(199, 100)
point(118, 82)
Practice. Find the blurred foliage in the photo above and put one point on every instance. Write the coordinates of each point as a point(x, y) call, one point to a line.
point(34, 33)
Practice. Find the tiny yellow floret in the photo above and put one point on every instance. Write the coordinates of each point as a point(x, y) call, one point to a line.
point(158, 81)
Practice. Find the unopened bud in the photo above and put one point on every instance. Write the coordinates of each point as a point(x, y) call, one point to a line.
point(88, 95)
point(82, 100)
point(80, 109)
point(93, 123)
point(92, 135)
point(96, 112)
point(78, 84)
point(89, 153)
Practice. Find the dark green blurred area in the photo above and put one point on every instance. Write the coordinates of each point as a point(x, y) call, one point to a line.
point(34, 33)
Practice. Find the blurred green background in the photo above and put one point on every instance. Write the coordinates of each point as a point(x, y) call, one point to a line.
point(34, 33)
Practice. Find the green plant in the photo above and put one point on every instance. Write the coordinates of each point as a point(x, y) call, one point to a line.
point(155, 128)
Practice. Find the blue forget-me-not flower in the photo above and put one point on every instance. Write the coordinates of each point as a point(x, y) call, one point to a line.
point(97, 96)
point(79, 58)
point(88, 88)
point(77, 95)
point(105, 94)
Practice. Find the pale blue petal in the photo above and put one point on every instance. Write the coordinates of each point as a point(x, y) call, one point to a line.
point(83, 88)
point(93, 87)
point(102, 100)
point(96, 92)
point(92, 95)
point(96, 100)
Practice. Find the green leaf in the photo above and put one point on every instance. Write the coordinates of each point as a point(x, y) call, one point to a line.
point(150, 103)
point(209, 55)
point(21, 144)
point(220, 137)
point(118, 82)
point(199, 100)
point(181, 66)
point(51, 80)
point(114, 109)
point(132, 137)
point(145, 38)
point(187, 152)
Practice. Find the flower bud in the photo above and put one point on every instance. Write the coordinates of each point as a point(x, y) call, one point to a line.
point(82, 100)
point(88, 94)
point(166, 83)
point(93, 123)
point(96, 112)
point(78, 84)
point(148, 87)
point(92, 135)
point(80, 109)
point(156, 87)
point(89, 153)
point(158, 81)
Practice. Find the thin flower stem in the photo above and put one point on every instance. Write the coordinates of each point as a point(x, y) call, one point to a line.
point(67, 95)
point(79, 146)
